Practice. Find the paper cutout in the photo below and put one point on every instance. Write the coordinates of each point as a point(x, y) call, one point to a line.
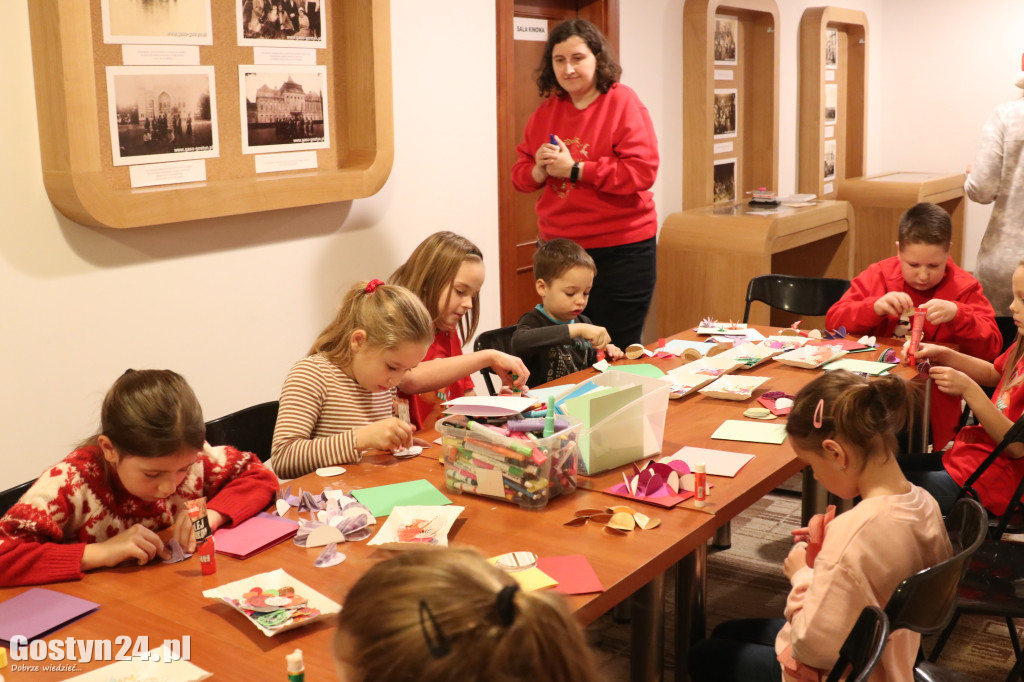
point(324, 535)
point(868, 340)
point(177, 553)
point(329, 557)
point(574, 574)
point(326, 472)
point(759, 413)
point(845, 344)
point(38, 611)
point(733, 387)
point(417, 526)
point(730, 328)
point(635, 351)
point(861, 366)
point(282, 507)
point(253, 535)
point(382, 499)
point(711, 366)
point(750, 355)
point(785, 342)
point(750, 432)
point(811, 357)
point(779, 402)
point(621, 519)
point(349, 520)
point(601, 365)
point(259, 588)
point(405, 453)
point(157, 664)
point(643, 369)
point(488, 406)
point(716, 462)
point(683, 383)
point(679, 346)
point(645, 522)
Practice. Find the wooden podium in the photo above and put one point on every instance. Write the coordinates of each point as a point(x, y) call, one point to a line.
point(706, 257)
point(879, 200)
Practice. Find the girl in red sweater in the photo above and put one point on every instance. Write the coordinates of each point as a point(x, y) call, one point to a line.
point(121, 495)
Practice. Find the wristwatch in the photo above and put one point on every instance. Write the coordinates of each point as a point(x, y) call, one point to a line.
point(574, 175)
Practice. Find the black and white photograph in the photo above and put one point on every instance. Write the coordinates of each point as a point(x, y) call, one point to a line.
point(830, 160)
point(725, 113)
point(725, 181)
point(726, 29)
point(284, 108)
point(162, 113)
point(831, 48)
point(277, 23)
point(831, 103)
point(157, 22)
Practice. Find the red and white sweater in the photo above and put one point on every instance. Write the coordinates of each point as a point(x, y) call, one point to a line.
point(80, 500)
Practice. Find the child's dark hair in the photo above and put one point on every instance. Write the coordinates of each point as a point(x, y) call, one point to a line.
point(435, 615)
point(851, 408)
point(151, 413)
point(608, 70)
point(925, 223)
point(554, 258)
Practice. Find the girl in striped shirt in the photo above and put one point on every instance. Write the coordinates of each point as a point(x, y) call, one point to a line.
point(340, 400)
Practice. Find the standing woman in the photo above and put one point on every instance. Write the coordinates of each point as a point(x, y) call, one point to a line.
point(997, 174)
point(591, 146)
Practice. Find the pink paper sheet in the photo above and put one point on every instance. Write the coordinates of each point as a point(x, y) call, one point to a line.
point(253, 536)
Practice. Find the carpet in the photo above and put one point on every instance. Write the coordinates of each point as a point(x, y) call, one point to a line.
point(746, 581)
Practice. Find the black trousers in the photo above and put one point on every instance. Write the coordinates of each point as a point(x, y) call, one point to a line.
point(623, 289)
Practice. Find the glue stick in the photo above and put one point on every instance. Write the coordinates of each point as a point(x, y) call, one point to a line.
point(296, 668)
point(916, 332)
point(700, 484)
point(204, 536)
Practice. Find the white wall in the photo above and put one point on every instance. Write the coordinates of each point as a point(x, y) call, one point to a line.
point(231, 303)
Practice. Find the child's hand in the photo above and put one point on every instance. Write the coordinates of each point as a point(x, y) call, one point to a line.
point(183, 532)
point(950, 381)
point(597, 336)
point(387, 434)
point(893, 304)
point(505, 365)
point(926, 351)
point(938, 311)
point(796, 560)
point(613, 352)
point(138, 543)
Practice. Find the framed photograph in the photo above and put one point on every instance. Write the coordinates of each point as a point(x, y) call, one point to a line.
point(725, 113)
point(725, 181)
point(283, 108)
point(162, 113)
point(281, 23)
point(831, 48)
point(726, 31)
point(830, 160)
point(831, 103)
point(177, 22)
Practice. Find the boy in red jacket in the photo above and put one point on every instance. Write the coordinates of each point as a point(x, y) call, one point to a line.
point(923, 275)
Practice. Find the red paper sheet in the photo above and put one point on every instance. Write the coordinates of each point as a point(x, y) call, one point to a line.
point(574, 574)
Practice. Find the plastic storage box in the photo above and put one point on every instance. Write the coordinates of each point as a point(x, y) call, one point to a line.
point(474, 464)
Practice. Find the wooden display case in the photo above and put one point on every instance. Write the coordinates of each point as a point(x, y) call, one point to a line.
point(70, 60)
point(754, 76)
point(842, 68)
point(879, 200)
point(707, 256)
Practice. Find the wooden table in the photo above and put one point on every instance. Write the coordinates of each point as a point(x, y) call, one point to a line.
point(165, 601)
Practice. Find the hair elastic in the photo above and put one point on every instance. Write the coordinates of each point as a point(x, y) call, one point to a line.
point(505, 604)
point(819, 413)
point(372, 285)
point(437, 642)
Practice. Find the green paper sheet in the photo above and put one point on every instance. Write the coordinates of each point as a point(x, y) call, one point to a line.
point(864, 366)
point(643, 369)
point(382, 499)
point(750, 432)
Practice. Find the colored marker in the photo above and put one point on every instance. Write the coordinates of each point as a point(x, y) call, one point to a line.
point(515, 378)
point(552, 139)
point(700, 484)
point(549, 418)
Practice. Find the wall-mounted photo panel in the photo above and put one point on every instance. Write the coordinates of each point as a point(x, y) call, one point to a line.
point(831, 103)
point(162, 113)
point(157, 22)
point(294, 23)
point(830, 160)
point(725, 181)
point(831, 48)
point(725, 113)
point(283, 108)
point(726, 31)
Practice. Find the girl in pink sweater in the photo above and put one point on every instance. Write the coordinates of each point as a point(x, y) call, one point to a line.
point(844, 427)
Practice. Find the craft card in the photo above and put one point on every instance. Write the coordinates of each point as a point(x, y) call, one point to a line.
point(862, 366)
point(785, 343)
point(811, 357)
point(603, 444)
point(158, 664)
point(38, 611)
point(730, 328)
point(750, 432)
point(713, 367)
point(749, 354)
point(489, 405)
point(574, 574)
point(733, 387)
point(684, 383)
point(849, 345)
point(382, 499)
point(254, 535)
point(416, 527)
point(717, 462)
point(275, 602)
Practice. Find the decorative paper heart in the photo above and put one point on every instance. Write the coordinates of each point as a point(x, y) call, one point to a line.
point(867, 340)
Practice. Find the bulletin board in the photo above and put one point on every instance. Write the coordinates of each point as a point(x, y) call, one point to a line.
point(833, 99)
point(730, 100)
point(70, 59)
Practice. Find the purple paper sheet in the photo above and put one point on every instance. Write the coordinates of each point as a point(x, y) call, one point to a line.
point(38, 611)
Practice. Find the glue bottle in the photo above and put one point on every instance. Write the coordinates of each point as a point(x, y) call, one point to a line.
point(296, 668)
point(916, 332)
point(700, 484)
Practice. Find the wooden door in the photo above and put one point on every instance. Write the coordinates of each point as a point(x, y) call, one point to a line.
point(517, 62)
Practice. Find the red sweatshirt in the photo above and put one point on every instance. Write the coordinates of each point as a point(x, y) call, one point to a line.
point(611, 204)
point(973, 329)
point(75, 502)
point(424, 405)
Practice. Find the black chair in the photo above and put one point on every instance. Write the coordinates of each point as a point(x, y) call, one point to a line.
point(11, 495)
point(798, 295)
point(495, 339)
point(863, 648)
point(249, 430)
point(1012, 520)
point(925, 602)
